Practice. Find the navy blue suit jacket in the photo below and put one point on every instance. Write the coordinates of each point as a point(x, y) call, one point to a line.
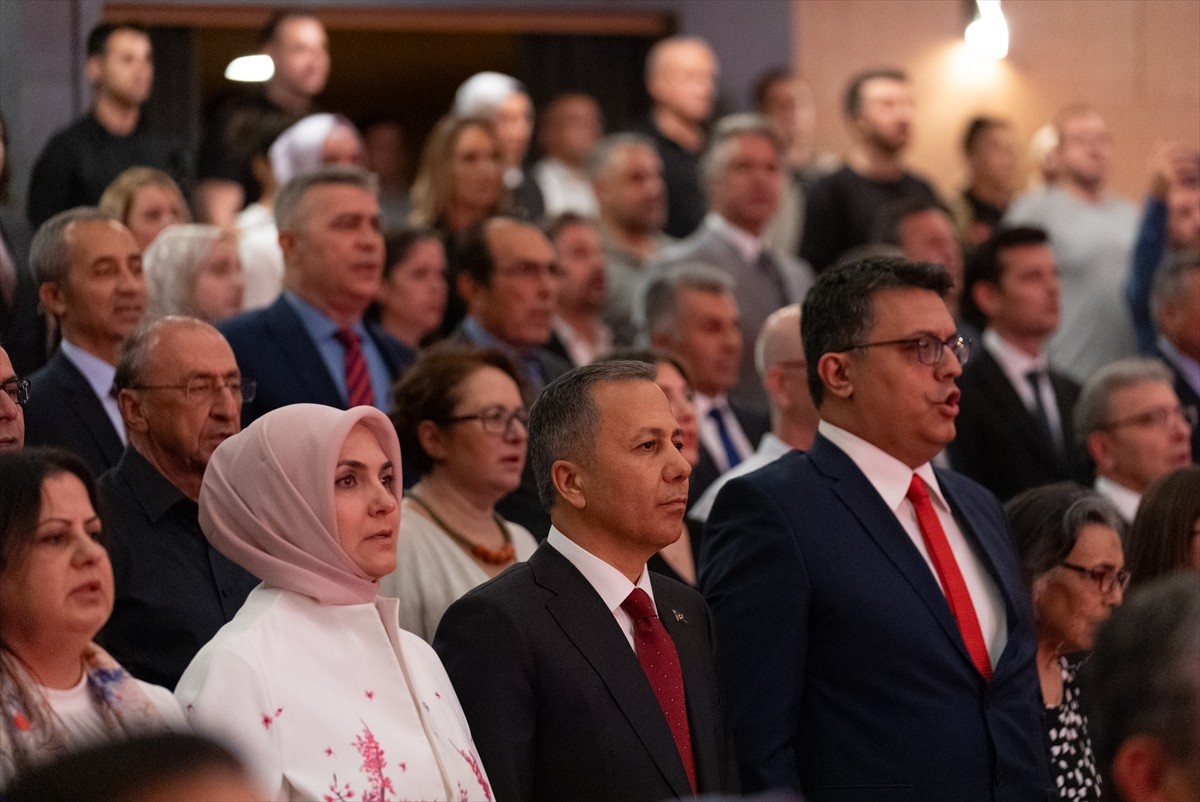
point(273, 348)
point(63, 411)
point(844, 670)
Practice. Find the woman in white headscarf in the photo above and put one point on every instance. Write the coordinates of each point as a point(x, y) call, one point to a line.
point(313, 679)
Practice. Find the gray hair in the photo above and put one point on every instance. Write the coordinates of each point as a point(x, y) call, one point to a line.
point(1144, 673)
point(656, 302)
point(728, 129)
point(1046, 522)
point(602, 156)
point(49, 254)
point(137, 347)
point(1168, 279)
point(564, 419)
point(482, 93)
point(1092, 409)
point(171, 263)
point(291, 196)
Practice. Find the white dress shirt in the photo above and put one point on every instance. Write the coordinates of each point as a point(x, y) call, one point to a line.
point(612, 585)
point(1016, 365)
point(1125, 500)
point(710, 438)
point(99, 375)
point(891, 478)
point(770, 448)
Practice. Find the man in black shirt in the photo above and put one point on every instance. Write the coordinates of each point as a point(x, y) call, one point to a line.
point(80, 161)
point(297, 44)
point(681, 77)
point(181, 396)
point(842, 207)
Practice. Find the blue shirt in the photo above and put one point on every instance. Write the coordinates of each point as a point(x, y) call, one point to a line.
point(322, 330)
point(526, 359)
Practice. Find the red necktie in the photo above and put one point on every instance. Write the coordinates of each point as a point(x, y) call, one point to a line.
point(656, 652)
point(947, 570)
point(358, 380)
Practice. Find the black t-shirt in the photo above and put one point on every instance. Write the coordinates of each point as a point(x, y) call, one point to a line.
point(225, 148)
point(80, 161)
point(686, 205)
point(841, 212)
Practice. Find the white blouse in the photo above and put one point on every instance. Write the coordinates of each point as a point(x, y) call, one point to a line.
point(432, 571)
point(82, 722)
point(333, 702)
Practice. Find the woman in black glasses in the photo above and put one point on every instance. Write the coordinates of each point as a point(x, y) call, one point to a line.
point(1069, 540)
point(461, 421)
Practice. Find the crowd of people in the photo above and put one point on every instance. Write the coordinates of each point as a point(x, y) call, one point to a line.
point(683, 460)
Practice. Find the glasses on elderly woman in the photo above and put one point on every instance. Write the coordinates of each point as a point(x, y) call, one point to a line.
point(495, 420)
point(1106, 576)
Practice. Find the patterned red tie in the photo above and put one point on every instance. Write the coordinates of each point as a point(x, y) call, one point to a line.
point(947, 570)
point(656, 652)
point(358, 380)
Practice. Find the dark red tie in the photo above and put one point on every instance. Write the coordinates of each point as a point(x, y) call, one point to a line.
point(656, 652)
point(951, 578)
point(358, 379)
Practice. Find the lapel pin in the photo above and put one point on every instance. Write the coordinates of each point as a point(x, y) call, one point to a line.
point(679, 616)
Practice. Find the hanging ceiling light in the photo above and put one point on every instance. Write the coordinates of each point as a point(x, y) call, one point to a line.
point(988, 32)
point(250, 69)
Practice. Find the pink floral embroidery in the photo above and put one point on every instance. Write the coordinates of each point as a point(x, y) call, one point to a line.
point(473, 762)
point(373, 765)
point(329, 751)
point(268, 719)
point(437, 694)
point(370, 694)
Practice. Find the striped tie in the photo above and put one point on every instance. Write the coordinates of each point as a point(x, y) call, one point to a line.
point(358, 380)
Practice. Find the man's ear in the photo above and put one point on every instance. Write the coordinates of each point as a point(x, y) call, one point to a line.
point(836, 374)
point(50, 296)
point(133, 411)
point(468, 289)
point(985, 295)
point(1099, 448)
point(568, 483)
point(287, 244)
point(92, 69)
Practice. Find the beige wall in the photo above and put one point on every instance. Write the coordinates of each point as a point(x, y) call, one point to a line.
point(1136, 61)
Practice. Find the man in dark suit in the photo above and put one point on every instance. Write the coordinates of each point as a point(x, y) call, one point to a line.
point(877, 639)
point(689, 311)
point(545, 658)
point(312, 345)
point(1175, 300)
point(1015, 422)
point(743, 175)
point(89, 270)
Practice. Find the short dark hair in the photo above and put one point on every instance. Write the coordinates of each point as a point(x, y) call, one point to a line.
point(1046, 522)
point(852, 102)
point(1162, 532)
point(764, 82)
point(553, 226)
point(469, 254)
point(976, 128)
point(125, 769)
point(97, 41)
point(1142, 675)
point(564, 418)
point(890, 217)
point(985, 264)
point(839, 309)
point(397, 245)
point(270, 28)
point(432, 387)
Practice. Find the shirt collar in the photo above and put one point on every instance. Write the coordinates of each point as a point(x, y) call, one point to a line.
point(98, 373)
point(477, 334)
point(889, 476)
point(154, 492)
point(1013, 361)
point(748, 246)
point(1189, 367)
point(707, 403)
point(319, 325)
point(613, 586)
point(1126, 501)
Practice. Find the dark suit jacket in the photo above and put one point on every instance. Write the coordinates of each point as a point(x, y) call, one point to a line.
point(1187, 397)
point(273, 348)
point(999, 443)
point(705, 472)
point(63, 411)
point(557, 702)
point(844, 669)
point(22, 328)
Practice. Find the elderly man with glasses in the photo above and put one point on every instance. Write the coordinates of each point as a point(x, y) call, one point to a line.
point(876, 639)
point(1134, 428)
point(181, 396)
point(14, 392)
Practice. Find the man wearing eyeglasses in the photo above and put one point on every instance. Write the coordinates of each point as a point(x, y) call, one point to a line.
point(875, 635)
point(1134, 428)
point(181, 396)
point(14, 391)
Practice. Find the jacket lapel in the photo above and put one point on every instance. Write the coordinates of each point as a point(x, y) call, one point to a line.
point(305, 362)
point(1013, 409)
point(591, 628)
point(87, 406)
